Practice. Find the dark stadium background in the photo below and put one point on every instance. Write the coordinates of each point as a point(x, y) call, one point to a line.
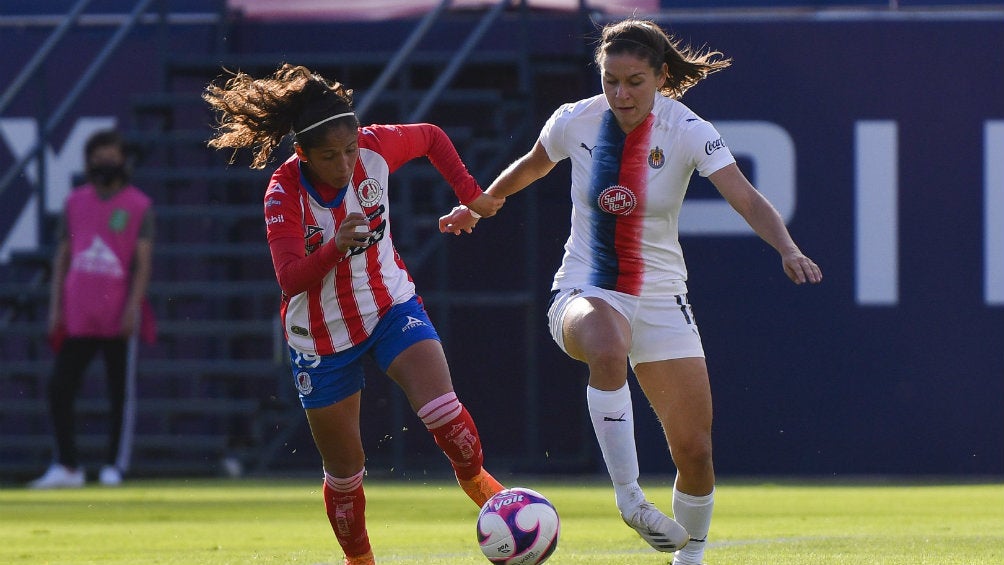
point(813, 382)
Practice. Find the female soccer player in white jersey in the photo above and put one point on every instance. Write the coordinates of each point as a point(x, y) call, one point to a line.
point(621, 292)
point(345, 291)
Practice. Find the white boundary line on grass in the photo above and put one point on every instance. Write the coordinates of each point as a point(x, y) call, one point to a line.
point(624, 553)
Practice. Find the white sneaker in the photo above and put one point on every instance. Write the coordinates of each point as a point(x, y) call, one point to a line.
point(59, 476)
point(110, 476)
point(660, 531)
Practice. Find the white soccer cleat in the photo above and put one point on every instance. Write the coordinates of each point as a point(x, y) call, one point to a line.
point(59, 476)
point(660, 531)
point(110, 476)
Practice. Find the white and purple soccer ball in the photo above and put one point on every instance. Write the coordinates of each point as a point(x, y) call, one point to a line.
point(518, 526)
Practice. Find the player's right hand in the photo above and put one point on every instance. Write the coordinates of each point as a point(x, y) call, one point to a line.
point(348, 237)
point(458, 220)
point(464, 218)
point(486, 205)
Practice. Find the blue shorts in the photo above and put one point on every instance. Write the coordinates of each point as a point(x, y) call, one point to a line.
point(323, 380)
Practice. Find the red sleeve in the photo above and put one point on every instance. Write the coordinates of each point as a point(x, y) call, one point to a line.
point(296, 272)
point(401, 143)
point(294, 269)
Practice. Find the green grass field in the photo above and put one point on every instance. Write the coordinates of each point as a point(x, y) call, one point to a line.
point(282, 521)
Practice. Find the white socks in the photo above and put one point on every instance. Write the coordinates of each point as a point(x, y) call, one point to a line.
point(694, 514)
point(613, 421)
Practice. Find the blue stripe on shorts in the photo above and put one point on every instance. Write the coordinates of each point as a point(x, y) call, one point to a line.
point(323, 380)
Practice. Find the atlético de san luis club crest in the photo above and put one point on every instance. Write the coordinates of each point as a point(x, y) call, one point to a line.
point(656, 158)
point(303, 383)
point(369, 192)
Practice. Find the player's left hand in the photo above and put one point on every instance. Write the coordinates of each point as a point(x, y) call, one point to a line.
point(800, 269)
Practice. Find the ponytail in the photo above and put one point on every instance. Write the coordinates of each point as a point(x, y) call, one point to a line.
point(259, 113)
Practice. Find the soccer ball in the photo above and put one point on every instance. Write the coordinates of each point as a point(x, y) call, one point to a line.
point(518, 526)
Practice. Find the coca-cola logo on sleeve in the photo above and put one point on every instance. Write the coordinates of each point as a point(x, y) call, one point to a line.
point(714, 145)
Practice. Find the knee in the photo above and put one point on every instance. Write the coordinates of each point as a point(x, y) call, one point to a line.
point(602, 346)
point(607, 360)
point(342, 461)
point(608, 356)
point(692, 452)
point(607, 371)
point(346, 465)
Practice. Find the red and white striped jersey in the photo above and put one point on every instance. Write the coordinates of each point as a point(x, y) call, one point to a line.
point(342, 309)
point(627, 191)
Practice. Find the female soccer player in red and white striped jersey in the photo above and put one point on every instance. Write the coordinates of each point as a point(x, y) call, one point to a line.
point(346, 292)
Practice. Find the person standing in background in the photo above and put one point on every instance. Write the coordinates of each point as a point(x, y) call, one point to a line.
point(100, 274)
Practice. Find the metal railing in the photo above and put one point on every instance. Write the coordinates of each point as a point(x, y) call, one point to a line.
point(457, 61)
point(41, 55)
point(394, 65)
point(405, 56)
point(79, 88)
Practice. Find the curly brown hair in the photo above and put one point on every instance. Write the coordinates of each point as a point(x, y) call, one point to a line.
point(259, 113)
point(645, 39)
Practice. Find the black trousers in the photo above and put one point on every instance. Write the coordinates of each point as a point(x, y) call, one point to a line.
point(72, 360)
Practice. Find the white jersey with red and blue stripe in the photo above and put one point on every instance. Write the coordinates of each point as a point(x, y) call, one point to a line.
point(627, 190)
point(345, 307)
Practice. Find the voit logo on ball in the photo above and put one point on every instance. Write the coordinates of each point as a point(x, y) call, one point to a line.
point(518, 526)
point(617, 200)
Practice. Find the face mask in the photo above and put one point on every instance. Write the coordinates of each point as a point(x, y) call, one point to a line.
point(106, 174)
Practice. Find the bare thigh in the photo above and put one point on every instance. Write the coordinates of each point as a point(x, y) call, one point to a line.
point(598, 335)
point(422, 373)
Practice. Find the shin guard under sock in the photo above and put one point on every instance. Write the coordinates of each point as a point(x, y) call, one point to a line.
point(455, 433)
point(345, 503)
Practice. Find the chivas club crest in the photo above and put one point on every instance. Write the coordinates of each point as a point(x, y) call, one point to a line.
point(656, 158)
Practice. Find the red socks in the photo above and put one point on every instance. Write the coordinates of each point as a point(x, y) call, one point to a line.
point(346, 505)
point(455, 433)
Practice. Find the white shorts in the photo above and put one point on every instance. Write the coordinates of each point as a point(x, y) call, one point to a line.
point(661, 328)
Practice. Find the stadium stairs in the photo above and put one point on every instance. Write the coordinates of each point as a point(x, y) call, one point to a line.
point(213, 387)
